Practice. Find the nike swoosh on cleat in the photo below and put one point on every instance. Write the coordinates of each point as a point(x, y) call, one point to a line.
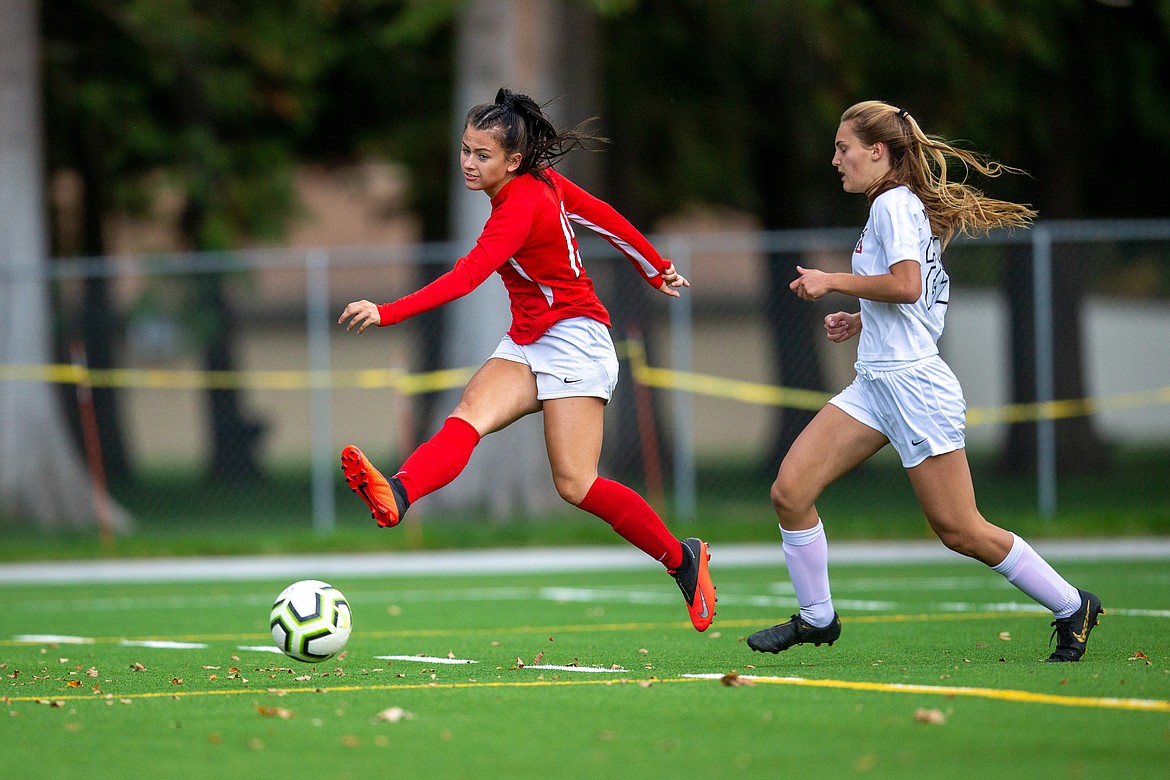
point(369, 499)
point(1084, 634)
point(704, 613)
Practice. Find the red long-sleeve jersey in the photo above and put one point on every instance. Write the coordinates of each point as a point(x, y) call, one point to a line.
point(529, 241)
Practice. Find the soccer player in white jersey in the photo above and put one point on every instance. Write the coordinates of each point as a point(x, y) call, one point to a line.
point(903, 394)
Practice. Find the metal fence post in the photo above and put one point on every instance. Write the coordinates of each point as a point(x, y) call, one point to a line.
point(683, 402)
point(320, 392)
point(1045, 383)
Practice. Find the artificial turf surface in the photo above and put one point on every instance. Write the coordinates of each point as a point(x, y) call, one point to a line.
point(937, 674)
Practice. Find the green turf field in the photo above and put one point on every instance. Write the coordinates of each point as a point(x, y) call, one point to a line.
point(569, 675)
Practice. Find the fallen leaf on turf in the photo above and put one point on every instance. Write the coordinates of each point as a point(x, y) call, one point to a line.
point(519, 663)
point(538, 658)
point(733, 680)
point(137, 668)
point(74, 683)
point(1138, 655)
point(1005, 636)
point(392, 715)
point(923, 715)
point(176, 680)
point(275, 712)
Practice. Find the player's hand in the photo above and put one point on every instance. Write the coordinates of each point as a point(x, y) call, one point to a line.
point(361, 314)
point(842, 326)
point(811, 284)
point(671, 281)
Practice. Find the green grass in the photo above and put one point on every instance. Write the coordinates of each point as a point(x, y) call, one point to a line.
point(187, 714)
point(177, 513)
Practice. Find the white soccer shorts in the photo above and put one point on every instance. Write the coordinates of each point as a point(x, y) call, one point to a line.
point(919, 406)
point(575, 357)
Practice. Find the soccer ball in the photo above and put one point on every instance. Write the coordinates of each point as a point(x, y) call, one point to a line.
point(311, 621)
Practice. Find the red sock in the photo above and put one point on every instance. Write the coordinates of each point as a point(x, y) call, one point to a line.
point(438, 461)
point(633, 520)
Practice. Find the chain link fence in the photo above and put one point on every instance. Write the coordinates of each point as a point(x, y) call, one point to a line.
point(215, 380)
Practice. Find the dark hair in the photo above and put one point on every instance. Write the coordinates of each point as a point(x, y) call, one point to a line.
point(519, 125)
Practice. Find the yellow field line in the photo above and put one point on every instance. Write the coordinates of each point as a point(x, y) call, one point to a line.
point(1023, 697)
point(1007, 694)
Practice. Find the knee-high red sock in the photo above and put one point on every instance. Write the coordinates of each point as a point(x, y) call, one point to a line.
point(439, 460)
point(633, 520)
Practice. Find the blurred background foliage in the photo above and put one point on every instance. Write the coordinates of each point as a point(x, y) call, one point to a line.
point(731, 103)
point(713, 106)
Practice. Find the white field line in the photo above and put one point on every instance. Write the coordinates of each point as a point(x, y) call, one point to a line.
point(608, 595)
point(427, 659)
point(52, 639)
point(517, 561)
point(160, 644)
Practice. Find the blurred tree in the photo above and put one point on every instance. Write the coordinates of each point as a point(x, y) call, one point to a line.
point(221, 97)
point(736, 103)
point(42, 477)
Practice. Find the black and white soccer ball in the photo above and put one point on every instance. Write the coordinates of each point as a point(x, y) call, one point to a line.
point(311, 621)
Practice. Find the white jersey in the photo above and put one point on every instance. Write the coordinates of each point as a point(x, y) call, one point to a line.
point(898, 229)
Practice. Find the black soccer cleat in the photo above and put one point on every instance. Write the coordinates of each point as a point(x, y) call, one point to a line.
point(1072, 632)
point(794, 632)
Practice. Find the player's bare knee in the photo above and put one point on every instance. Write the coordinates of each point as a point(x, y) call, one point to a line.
point(959, 541)
point(572, 489)
point(786, 500)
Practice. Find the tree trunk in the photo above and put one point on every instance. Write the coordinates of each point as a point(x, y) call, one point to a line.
point(99, 326)
point(517, 44)
point(42, 477)
point(1079, 448)
point(235, 434)
point(794, 328)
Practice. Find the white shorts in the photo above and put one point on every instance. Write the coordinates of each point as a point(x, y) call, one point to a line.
point(575, 357)
point(919, 406)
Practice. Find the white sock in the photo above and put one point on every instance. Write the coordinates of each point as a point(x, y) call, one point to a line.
point(1024, 568)
point(807, 556)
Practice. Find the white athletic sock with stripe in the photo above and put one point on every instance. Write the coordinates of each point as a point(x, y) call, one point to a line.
point(807, 556)
point(1024, 568)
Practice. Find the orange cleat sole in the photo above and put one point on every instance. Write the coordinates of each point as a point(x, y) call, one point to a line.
point(703, 610)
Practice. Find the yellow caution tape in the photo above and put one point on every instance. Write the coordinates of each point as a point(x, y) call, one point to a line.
point(446, 379)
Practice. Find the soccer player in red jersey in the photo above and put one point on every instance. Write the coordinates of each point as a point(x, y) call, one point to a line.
point(557, 357)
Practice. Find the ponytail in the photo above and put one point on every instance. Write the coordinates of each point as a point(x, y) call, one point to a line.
point(519, 125)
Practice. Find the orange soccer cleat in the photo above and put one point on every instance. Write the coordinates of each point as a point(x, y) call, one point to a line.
point(386, 506)
point(694, 580)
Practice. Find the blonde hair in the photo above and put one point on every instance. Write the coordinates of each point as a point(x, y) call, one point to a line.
point(919, 161)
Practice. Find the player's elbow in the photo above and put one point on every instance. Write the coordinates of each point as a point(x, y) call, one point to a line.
point(908, 292)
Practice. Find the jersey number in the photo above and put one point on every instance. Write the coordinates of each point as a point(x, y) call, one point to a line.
point(937, 281)
point(570, 242)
